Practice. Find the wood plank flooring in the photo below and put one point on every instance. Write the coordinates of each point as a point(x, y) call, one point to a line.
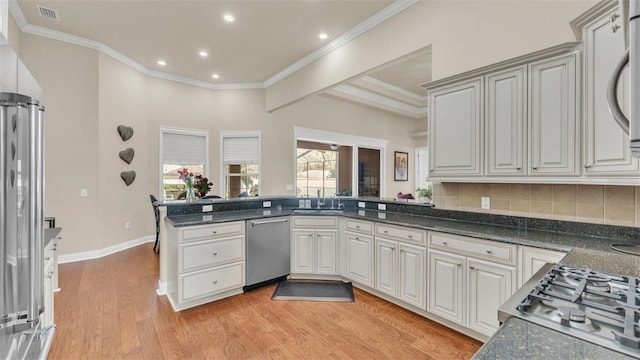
point(108, 309)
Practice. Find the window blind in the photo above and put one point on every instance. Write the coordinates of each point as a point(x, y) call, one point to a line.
point(184, 149)
point(240, 150)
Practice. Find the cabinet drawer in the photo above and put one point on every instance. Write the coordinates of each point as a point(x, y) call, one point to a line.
point(211, 281)
point(316, 221)
point(364, 227)
point(211, 253)
point(406, 234)
point(485, 249)
point(211, 231)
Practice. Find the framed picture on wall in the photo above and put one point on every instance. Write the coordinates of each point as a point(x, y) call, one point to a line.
point(401, 166)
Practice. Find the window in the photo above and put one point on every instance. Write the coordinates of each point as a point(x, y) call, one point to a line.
point(181, 148)
point(240, 163)
point(338, 163)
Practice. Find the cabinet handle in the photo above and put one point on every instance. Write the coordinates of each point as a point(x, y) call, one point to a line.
point(459, 264)
point(215, 282)
point(214, 232)
point(489, 251)
point(534, 168)
point(357, 226)
point(357, 238)
point(386, 231)
point(613, 17)
point(615, 28)
point(587, 166)
point(393, 248)
point(215, 254)
point(401, 250)
point(518, 168)
point(410, 236)
point(444, 243)
point(472, 267)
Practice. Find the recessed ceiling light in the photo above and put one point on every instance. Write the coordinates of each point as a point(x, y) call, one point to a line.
point(162, 62)
point(228, 18)
point(323, 36)
point(203, 53)
point(215, 76)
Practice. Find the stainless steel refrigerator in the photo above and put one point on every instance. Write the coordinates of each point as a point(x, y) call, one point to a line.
point(21, 212)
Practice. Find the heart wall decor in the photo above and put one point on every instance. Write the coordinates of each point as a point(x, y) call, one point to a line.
point(126, 132)
point(127, 155)
point(128, 177)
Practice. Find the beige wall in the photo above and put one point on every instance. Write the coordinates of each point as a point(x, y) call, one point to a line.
point(88, 94)
point(600, 204)
point(464, 35)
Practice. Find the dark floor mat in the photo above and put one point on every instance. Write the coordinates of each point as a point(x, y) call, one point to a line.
point(314, 291)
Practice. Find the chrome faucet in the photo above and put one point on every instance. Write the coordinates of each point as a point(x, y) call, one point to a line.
point(340, 204)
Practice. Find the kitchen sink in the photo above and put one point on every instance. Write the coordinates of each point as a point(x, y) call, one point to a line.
point(626, 248)
point(318, 211)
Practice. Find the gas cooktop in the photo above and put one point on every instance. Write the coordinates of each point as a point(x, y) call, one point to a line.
point(594, 306)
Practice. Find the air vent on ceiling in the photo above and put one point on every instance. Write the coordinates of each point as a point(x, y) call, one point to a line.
point(48, 13)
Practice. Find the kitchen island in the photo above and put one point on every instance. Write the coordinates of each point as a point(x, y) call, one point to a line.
point(588, 245)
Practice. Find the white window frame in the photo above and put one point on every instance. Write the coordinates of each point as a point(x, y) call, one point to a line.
point(179, 131)
point(223, 167)
point(328, 137)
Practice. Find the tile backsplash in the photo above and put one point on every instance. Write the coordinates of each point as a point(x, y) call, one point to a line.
point(600, 204)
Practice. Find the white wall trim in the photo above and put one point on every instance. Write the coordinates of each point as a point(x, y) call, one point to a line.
point(95, 254)
point(381, 101)
point(162, 289)
point(393, 88)
point(382, 15)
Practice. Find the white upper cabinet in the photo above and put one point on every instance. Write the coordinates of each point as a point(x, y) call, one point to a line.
point(606, 149)
point(455, 129)
point(554, 130)
point(506, 122)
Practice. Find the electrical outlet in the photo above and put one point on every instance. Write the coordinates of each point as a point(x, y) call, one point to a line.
point(289, 187)
point(486, 202)
point(84, 192)
point(382, 207)
point(361, 204)
point(127, 225)
point(207, 208)
point(382, 216)
point(266, 204)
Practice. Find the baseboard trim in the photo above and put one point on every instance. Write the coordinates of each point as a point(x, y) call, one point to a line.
point(95, 254)
point(162, 289)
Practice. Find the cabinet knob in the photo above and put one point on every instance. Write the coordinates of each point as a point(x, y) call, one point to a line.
point(613, 17)
point(518, 168)
point(357, 238)
point(489, 251)
point(401, 250)
point(459, 264)
point(410, 236)
point(50, 274)
point(386, 232)
point(615, 28)
point(47, 257)
point(587, 166)
point(214, 232)
point(357, 226)
point(444, 243)
point(534, 168)
point(393, 248)
point(215, 282)
point(472, 267)
point(215, 254)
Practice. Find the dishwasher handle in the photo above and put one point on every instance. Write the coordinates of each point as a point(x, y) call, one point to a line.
point(255, 223)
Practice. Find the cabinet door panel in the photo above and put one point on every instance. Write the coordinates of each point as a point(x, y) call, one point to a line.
point(412, 275)
point(554, 130)
point(302, 252)
point(455, 129)
point(446, 286)
point(386, 265)
point(532, 259)
point(360, 258)
point(490, 285)
point(327, 252)
point(506, 96)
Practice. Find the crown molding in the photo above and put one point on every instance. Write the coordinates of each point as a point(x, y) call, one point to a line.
point(380, 101)
point(594, 12)
point(376, 19)
point(393, 88)
point(379, 17)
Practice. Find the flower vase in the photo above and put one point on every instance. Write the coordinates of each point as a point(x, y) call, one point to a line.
point(191, 194)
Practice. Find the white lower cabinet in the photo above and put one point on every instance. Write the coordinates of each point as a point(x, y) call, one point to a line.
point(531, 259)
point(464, 289)
point(50, 275)
point(400, 271)
point(205, 263)
point(360, 258)
point(314, 245)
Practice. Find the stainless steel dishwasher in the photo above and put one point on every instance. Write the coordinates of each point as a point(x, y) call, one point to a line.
point(268, 251)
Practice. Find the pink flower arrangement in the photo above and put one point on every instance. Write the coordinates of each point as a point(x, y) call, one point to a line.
point(187, 177)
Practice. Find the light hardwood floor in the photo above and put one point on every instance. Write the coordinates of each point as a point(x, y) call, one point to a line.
point(108, 309)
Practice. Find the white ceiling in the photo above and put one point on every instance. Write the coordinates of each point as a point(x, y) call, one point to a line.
point(265, 40)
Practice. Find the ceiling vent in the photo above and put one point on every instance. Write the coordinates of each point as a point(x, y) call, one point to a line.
point(48, 13)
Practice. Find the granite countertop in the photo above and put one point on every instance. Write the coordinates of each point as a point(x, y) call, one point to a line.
point(586, 251)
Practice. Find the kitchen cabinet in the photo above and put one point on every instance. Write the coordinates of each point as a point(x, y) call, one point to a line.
point(359, 248)
point(531, 259)
point(50, 282)
point(469, 279)
point(553, 115)
point(506, 120)
point(606, 148)
point(401, 263)
point(455, 129)
point(314, 245)
point(205, 263)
